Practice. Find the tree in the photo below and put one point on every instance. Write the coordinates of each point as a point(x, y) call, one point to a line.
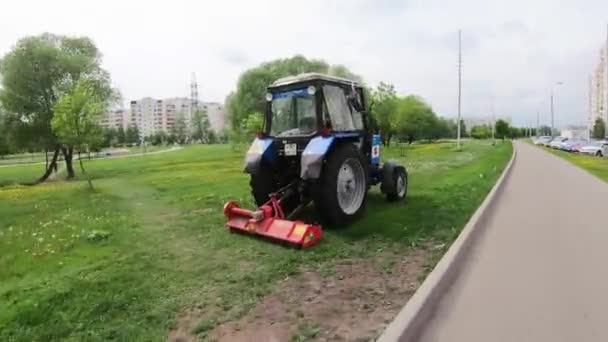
point(109, 137)
point(201, 126)
point(132, 135)
point(599, 129)
point(4, 145)
point(35, 74)
point(76, 118)
point(415, 118)
point(501, 129)
point(179, 129)
point(384, 110)
point(121, 137)
point(463, 129)
point(544, 130)
point(253, 123)
point(481, 132)
point(251, 86)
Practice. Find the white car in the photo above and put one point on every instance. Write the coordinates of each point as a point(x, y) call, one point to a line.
point(557, 141)
point(596, 148)
point(542, 140)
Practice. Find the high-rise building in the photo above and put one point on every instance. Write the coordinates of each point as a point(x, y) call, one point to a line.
point(215, 114)
point(151, 116)
point(115, 119)
point(598, 89)
point(146, 115)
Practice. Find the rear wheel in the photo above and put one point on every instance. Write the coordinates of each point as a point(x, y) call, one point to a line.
point(599, 154)
point(342, 191)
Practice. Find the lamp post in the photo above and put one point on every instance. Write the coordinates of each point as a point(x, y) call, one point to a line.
point(552, 115)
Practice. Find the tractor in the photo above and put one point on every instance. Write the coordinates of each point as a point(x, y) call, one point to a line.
point(317, 145)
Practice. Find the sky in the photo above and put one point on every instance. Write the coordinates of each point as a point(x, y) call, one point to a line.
point(513, 51)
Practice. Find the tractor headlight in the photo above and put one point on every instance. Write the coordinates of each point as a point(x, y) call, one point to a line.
point(268, 97)
point(311, 90)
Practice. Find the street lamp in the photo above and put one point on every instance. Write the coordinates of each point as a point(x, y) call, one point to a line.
point(552, 116)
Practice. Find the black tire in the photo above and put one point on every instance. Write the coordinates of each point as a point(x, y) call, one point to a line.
point(262, 184)
point(599, 154)
point(396, 193)
point(265, 182)
point(326, 199)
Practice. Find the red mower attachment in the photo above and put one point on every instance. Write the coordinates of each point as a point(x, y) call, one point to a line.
point(269, 221)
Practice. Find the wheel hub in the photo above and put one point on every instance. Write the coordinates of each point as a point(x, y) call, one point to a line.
point(351, 186)
point(401, 186)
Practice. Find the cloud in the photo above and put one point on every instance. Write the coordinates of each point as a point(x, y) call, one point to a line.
point(235, 57)
point(512, 51)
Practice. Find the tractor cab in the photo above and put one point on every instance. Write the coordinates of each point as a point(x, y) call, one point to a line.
point(310, 104)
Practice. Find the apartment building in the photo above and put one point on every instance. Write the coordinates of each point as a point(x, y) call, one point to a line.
point(215, 114)
point(598, 94)
point(115, 119)
point(151, 115)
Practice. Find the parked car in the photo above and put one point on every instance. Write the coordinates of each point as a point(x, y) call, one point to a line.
point(596, 148)
point(576, 145)
point(542, 140)
point(564, 145)
point(555, 143)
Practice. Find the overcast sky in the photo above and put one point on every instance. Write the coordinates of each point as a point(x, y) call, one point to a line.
point(513, 51)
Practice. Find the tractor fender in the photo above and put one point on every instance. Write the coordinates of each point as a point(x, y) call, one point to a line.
point(388, 172)
point(313, 155)
point(260, 149)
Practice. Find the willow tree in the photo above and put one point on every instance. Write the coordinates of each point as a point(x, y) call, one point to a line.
point(35, 75)
point(77, 114)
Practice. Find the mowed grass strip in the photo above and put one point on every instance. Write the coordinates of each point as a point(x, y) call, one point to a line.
point(596, 165)
point(125, 261)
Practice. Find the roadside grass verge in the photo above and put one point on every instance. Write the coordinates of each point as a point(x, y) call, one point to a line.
point(125, 261)
point(597, 166)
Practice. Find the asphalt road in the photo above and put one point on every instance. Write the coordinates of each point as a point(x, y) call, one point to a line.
point(539, 271)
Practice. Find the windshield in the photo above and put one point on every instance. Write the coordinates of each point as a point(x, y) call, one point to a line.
point(293, 113)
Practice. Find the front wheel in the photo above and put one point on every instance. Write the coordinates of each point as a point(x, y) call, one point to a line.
point(340, 197)
point(398, 189)
point(599, 154)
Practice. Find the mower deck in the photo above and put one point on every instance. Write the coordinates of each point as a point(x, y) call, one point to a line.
point(268, 221)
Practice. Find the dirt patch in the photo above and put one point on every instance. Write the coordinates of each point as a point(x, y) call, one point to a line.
point(353, 303)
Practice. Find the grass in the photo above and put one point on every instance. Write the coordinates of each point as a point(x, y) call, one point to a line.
point(595, 165)
point(124, 261)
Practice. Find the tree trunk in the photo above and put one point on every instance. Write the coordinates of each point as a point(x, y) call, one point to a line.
point(68, 153)
point(85, 173)
point(52, 166)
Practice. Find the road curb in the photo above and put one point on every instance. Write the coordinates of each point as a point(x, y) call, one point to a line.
point(410, 321)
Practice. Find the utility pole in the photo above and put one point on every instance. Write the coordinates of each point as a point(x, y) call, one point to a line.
point(193, 99)
point(459, 86)
point(552, 114)
point(493, 125)
point(552, 123)
point(590, 119)
point(537, 124)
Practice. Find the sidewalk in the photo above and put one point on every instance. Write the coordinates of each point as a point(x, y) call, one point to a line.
point(539, 272)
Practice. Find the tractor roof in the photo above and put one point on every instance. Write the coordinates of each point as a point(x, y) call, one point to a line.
point(312, 76)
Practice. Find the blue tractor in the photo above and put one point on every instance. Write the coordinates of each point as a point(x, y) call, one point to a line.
point(317, 146)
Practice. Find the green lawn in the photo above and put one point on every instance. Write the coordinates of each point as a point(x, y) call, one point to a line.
point(596, 165)
point(124, 261)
